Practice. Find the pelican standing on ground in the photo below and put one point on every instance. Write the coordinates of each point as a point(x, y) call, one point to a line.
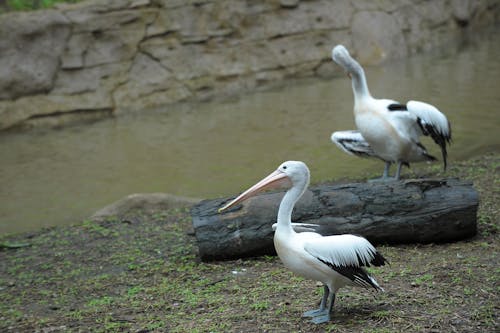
point(336, 261)
point(391, 130)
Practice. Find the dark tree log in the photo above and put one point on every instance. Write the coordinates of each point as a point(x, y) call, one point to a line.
point(411, 211)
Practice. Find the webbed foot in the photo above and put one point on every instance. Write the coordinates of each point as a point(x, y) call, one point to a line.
point(318, 316)
point(323, 318)
point(313, 313)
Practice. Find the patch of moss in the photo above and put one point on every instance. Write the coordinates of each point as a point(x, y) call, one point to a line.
point(22, 5)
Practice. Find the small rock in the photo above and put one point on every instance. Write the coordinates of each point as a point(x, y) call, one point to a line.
point(144, 201)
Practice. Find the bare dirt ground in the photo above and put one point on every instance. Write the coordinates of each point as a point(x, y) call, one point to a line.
point(142, 274)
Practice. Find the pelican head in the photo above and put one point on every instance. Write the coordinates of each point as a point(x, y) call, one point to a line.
point(296, 171)
point(354, 70)
point(342, 57)
point(290, 173)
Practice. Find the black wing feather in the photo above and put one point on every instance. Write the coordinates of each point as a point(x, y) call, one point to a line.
point(397, 107)
point(356, 273)
point(441, 139)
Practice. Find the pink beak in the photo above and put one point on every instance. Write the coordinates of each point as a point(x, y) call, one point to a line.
point(274, 180)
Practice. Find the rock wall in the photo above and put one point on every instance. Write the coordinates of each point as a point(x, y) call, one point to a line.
point(98, 58)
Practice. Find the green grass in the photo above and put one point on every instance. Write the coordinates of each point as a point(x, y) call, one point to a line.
point(22, 5)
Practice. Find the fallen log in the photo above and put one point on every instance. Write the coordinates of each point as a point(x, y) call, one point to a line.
point(410, 211)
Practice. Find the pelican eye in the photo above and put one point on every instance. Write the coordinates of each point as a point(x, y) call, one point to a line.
point(284, 167)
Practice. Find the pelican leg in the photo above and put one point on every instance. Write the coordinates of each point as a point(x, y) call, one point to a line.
point(325, 316)
point(398, 171)
point(322, 306)
point(385, 175)
point(386, 170)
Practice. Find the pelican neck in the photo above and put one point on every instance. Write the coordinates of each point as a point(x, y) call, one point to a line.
point(286, 207)
point(359, 85)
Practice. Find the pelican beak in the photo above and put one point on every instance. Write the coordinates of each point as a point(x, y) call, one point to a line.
point(274, 180)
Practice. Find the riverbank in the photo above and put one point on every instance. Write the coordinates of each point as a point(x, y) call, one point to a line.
point(141, 274)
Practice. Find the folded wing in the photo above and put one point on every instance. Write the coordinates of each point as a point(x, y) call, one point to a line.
point(432, 123)
point(347, 255)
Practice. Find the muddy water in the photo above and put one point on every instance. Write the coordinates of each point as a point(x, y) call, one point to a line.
point(216, 149)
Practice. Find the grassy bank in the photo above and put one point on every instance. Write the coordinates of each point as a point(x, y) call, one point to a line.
point(142, 274)
point(18, 5)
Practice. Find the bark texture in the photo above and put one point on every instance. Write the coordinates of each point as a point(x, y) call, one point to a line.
point(410, 211)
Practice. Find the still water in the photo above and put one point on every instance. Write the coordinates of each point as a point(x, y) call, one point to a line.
point(216, 149)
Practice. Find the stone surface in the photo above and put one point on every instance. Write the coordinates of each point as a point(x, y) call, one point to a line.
point(289, 3)
point(14, 113)
point(149, 84)
point(30, 48)
point(377, 36)
point(462, 10)
point(121, 55)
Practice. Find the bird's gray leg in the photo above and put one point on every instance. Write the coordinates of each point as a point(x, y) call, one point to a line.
point(398, 171)
point(322, 306)
point(386, 170)
point(325, 317)
point(385, 175)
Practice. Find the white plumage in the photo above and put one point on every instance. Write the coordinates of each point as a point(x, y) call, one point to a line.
point(352, 142)
point(336, 261)
point(300, 227)
point(388, 129)
point(343, 250)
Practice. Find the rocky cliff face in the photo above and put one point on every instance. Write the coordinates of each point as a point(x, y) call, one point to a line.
point(98, 58)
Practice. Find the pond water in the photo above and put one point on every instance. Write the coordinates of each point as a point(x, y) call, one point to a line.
point(214, 149)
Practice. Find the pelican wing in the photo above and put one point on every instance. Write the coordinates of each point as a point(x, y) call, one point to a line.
point(352, 142)
point(347, 255)
point(344, 250)
point(432, 122)
point(417, 118)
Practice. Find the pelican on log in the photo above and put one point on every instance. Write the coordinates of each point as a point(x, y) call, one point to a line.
point(387, 129)
point(336, 261)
